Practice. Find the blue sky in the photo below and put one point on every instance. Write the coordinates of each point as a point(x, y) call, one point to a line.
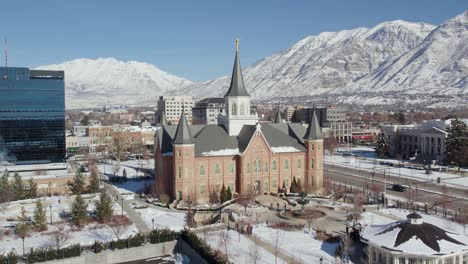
point(192, 39)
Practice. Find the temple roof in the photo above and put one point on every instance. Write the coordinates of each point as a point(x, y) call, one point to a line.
point(237, 87)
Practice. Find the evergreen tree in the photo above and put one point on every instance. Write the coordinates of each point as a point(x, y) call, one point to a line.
point(18, 187)
point(457, 142)
point(31, 189)
point(213, 199)
point(293, 187)
point(5, 189)
point(93, 186)
point(40, 220)
point(78, 184)
point(381, 146)
point(229, 193)
point(222, 194)
point(23, 227)
point(78, 211)
point(299, 186)
point(104, 210)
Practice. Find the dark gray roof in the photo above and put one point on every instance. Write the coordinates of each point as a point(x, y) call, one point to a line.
point(313, 130)
point(216, 100)
point(237, 87)
point(213, 138)
point(208, 138)
point(414, 215)
point(183, 134)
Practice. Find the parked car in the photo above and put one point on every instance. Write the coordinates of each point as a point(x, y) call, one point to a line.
point(398, 188)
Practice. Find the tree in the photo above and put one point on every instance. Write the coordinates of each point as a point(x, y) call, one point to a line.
point(213, 199)
point(229, 194)
point(254, 251)
point(358, 207)
point(222, 194)
point(165, 199)
point(330, 144)
point(457, 142)
point(243, 200)
point(190, 218)
point(79, 213)
point(5, 192)
point(293, 187)
point(103, 208)
point(120, 226)
point(17, 187)
point(40, 218)
point(59, 238)
point(85, 120)
point(224, 240)
point(78, 184)
point(277, 241)
point(23, 227)
point(31, 189)
point(381, 146)
point(94, 182)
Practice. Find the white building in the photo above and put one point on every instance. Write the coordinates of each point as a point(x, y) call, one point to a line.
point(425, 142)
point(172, 106)
point(414, 242)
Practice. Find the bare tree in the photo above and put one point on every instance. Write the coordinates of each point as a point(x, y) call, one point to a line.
point(330, 144)
point(345, 247)
point(224, 240)
point(164, 198)
point(277, 241)
point(358, 207)
point(254, 251)
point(119, 226)
point(243, 200)
point(59, 238)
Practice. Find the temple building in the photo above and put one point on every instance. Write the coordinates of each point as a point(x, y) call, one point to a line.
point(238, 152)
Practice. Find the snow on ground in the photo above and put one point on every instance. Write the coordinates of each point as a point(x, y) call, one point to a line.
point(60, 205)
point(163, 218)
point(364, 158)
point(300, 244)
point(239, 247)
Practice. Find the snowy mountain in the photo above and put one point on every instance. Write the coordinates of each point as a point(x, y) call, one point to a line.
point(392, 63)
point(321, 63)
point(97, 82)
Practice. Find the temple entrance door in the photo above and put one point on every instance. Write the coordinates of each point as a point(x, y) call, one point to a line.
point(257, 186)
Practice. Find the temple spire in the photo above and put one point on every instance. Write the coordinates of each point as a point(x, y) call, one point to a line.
point(237, 87)
point(183, 134)
point(278, 116)
point(313, 130)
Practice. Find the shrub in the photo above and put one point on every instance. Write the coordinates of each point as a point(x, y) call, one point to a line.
point(206, 252)
point(136, 240)
point(161, 235)
point(119, 244)
point(98, 246)
point(72, 251)
point(10, 258)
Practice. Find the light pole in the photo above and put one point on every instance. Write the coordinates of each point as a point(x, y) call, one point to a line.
point(122, 204)
point(321, 260)
point(152, 220)
point(50, 207)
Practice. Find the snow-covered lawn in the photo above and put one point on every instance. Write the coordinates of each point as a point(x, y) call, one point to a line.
point(365, 159)
point(300, 244)
point(162, 218)
point(60, 205)
point(239, 247)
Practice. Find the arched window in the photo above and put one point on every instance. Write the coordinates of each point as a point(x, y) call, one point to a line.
point(179, 152)
point(299, 163)
point(217, 168)
point(202, 169)
point(286, 164)
point(257, 165)
point(233, 109)
point(312, 163)
point(242, 110)
point(265, 167)
point(248, 167)
point(231, 167)
point(273, 165)
point(179, 172)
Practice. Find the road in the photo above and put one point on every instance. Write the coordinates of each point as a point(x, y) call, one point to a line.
point(427, 192)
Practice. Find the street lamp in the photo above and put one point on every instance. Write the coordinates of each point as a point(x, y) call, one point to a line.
point(122, 204)
point(152, 220)
point(321, 260)
point(50, 207)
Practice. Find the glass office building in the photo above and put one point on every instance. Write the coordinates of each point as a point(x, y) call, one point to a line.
point(32, 116)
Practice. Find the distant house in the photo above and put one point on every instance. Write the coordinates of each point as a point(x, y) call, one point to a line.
point(238, 152)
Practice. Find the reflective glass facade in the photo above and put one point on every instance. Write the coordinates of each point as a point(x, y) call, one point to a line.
point(32, 116)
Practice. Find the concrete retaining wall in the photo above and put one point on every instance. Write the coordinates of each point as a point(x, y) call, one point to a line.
point(122, 255)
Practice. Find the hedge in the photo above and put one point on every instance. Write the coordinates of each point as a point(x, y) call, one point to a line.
point(10, 258)
point(211, 256)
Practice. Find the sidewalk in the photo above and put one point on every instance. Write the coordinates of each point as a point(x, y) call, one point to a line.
point(127, 207)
